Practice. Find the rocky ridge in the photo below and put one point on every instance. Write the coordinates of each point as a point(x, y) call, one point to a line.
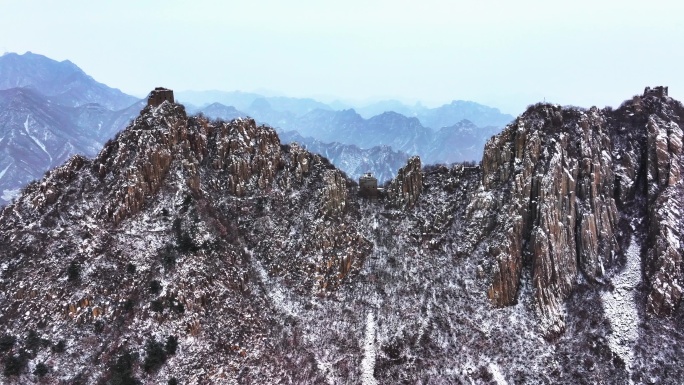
point(263, 264)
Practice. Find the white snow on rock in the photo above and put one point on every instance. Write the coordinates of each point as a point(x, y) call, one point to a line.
point(8, 195)
point(368, 362)
point(279, 297)
point(36, 140)
point(620, 307)
point(2, 173)
point(496, 374)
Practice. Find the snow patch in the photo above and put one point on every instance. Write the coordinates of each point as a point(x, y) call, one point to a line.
point(8, 195)
point(326, 368)
point(620, 307)
point(35, 140)
point(279, 297)
point(496, 373)
point(368, 362)
point(2, 173)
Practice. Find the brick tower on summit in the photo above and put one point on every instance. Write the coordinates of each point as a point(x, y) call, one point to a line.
point(159, 95)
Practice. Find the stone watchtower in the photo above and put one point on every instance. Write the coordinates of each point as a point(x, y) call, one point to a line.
point(368, 186)
point(159, 95)
point(658, 91)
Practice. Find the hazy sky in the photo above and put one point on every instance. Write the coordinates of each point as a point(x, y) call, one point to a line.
point(507, 54)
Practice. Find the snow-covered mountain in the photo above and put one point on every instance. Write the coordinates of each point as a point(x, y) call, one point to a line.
point(192, 250)
point(62, 82)
point(50, 111)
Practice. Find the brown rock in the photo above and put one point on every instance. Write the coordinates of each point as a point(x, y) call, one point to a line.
point(405, 189)
point(552, 184)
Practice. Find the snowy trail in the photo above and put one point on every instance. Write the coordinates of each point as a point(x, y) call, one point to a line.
point(368, 362)
point(620, 308)
point(35, 140)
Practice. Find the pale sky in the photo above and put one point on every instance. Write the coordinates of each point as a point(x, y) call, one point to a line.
point(506, 54)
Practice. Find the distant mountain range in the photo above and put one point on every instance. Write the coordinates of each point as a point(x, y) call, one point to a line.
point(246, 101)
point(450, 133)
point(382, 161)
point(435, 118)
point(460, 141)
point(61, 82)
point(51, 110)
point(442, 116)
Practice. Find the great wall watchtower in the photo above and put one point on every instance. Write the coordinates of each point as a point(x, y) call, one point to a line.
point(368, 186)
point(159, 95)
point(659, 91)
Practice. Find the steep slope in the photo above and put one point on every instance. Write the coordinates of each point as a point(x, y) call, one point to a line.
point(209, 252)
point(35, 135)
point(166, 162)
point(63, 82)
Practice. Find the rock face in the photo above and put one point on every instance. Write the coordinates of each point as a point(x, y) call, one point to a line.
point(664, 164)
point(137, 163)
point(334, 193)
point(404, 190)
point(557, 176)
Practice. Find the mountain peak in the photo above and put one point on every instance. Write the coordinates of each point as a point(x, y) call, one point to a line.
point(63, 81)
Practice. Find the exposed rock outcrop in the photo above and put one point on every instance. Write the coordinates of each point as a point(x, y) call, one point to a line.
point(334, 193)
point(137, 164)
point(555, 175)
point(404, 190)
point(665, 193)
